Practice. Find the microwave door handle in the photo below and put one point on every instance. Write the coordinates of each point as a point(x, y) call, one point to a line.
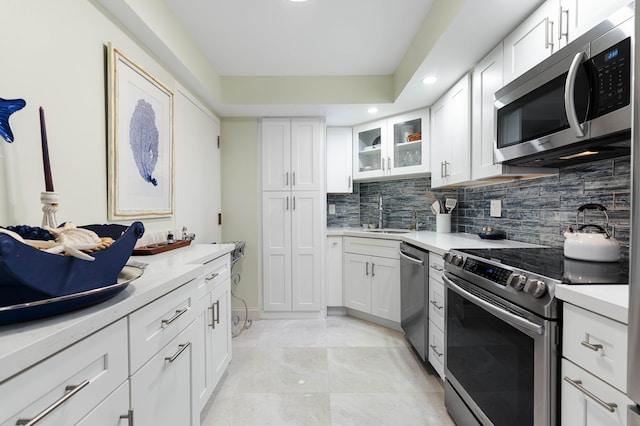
point(569, 101)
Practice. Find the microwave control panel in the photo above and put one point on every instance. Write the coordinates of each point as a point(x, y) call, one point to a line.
point(612, 69)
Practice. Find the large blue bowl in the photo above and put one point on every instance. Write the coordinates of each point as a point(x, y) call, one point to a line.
point(28, 274)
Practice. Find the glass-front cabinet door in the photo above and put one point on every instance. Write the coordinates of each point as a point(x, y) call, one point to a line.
point(408, 152)
point(369, 150)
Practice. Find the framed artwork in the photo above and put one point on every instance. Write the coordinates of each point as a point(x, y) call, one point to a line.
point(140, 154)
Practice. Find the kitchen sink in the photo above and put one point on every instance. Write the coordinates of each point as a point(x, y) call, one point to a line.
point(388, 231)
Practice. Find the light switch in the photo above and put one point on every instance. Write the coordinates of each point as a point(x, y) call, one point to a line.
point(496, 208)
point(332, 209)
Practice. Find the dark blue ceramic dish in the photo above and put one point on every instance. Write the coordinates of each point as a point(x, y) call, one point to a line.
point(28, 274)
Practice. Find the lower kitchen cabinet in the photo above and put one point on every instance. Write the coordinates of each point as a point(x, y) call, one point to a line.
point(162, 391)
point(594, 369)
point(333, 271)
point(372, 283)
point(112, 411)
point(436, 340)
point(72, 383)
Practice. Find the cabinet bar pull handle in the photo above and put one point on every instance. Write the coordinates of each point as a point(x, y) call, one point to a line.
point(217, 317)
point(349, 183)
point(166, 322)
point(383, 164)
point(593, 347)
point(286, 179)
point(212, 276)
point(434, 303)
point(294, 203)
point(128, 416)
point(609, 406)
point(367, 269)
point(287, 204)
point(181, 349)
point(70, 390)
point(434, 349)
point(389, 163)
point(373, 269)
point(442, 169)
point(548, 40)
point(560, 33)
point(293, 178)
point(213, 317)
point(436, 267)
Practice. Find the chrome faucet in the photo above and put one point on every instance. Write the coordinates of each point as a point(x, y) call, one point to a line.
point(380, 210)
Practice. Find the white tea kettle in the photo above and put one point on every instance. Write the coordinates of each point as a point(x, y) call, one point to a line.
point(589, 241)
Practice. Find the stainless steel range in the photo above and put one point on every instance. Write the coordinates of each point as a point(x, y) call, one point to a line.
point(502, 331)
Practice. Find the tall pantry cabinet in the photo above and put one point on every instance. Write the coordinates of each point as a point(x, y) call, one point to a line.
point(293, 205)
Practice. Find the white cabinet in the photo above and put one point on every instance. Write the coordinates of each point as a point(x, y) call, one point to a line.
point(212, 347)
point(339, 160)
point(594, 368)
point(75, 380)
point(436, 314)
point(531, 42)
point(450, 136)
point(333, 271)
point(292, 239)
point(397, 146)
point(372, 277)
point(486, 80)
point(111, 411)
point(162, 391)
point(578, 16)
point(292, 154)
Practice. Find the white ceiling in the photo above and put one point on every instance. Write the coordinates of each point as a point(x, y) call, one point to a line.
point(341, 38)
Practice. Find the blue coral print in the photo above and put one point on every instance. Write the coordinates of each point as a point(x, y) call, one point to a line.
point(8, 107)
point(143, 137)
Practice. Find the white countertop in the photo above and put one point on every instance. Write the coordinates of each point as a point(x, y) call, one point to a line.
point(23, 344)
point(611, 301)
point(435, 242)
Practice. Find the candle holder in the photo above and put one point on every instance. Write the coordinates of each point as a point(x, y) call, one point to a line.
point(49, 202)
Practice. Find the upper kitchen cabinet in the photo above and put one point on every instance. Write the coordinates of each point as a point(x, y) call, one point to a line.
point(531, 42)
point(339, 160)
point(291, 154)
point(392, 147)
point(486, 80)
point(578, 16)
point(450, 136)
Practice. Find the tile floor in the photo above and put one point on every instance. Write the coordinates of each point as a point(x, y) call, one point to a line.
point(334, 371)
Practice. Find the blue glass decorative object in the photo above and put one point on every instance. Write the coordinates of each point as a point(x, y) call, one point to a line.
point(143, 137)
point(8, 107)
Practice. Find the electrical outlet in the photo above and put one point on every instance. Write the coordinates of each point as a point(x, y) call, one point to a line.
point(332, 209)
point(496, 208)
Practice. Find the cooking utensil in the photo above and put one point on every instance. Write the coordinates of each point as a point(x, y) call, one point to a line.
point(591, 242)
point(450, 204)
point(436, 207)
point(431, 197)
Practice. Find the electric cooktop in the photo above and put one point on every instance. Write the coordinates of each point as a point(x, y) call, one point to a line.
point(551, 263)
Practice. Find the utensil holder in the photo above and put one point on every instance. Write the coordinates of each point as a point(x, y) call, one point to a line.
point(443, 223)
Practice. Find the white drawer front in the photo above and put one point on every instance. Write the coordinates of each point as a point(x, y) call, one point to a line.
point(436, 266)
point(215, 273)
point(585, 401)
point(100, 360)
point(436, 348)
point(597, 344)
point(436, 302)
point(154, 325)
point(372, 247)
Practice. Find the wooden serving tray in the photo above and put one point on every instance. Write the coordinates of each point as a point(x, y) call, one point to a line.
point(159, 248)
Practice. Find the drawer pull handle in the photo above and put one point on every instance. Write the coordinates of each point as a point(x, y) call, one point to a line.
point(211, 277)
point(166, 322)
point(373, 269)
point(367, 269)
point(215, 314)
point(434, 303)
point(434, 348)
point(70, 390)
point(128, 417)
point(437, 268)
point(610, 406)
point(181, 349)
point(593, 347)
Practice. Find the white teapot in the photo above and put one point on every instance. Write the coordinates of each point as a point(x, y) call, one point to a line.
point(589, 241)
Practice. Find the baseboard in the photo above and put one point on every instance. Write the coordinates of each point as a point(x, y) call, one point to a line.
point(336, 311)
point(374, 319)
point(294, 315)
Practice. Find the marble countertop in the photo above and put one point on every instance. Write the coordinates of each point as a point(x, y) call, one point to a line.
point(611, 301)
point(23, 344)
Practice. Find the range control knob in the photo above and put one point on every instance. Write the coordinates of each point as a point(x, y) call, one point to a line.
point(447, 256)
point(536, 288)
point(517, 281)
point(456, 260)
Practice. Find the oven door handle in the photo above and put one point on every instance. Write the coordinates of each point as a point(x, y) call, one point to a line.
point(500, 313)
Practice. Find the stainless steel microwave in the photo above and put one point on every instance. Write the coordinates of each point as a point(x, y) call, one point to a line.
point(575, 106)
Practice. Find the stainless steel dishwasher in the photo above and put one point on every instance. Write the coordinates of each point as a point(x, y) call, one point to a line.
point(414, 291)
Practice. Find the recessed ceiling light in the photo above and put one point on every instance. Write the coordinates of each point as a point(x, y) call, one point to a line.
point(429, 80)
point(297, 0)
point(372, 110)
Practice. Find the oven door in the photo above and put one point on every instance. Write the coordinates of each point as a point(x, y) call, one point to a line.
point(501, 360)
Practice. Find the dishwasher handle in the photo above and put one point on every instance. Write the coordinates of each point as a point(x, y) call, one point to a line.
point(411, 258)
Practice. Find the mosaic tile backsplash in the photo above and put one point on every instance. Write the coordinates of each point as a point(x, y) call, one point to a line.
point(533, 210)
